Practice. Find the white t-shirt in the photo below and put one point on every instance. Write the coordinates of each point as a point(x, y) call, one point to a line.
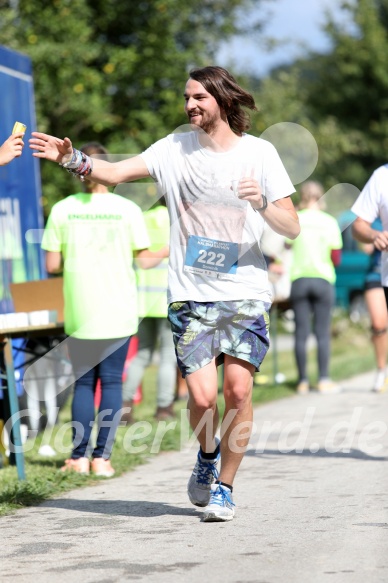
point(372, 203)
point(214, 237)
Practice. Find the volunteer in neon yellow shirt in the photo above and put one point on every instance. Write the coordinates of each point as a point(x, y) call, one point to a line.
point(154, 328)
point(315, 253)
point(94, 237)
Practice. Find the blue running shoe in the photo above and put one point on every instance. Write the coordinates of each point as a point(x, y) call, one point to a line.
point(204, 475)
point(221, 506)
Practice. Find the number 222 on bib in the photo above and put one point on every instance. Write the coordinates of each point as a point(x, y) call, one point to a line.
point(211, 257)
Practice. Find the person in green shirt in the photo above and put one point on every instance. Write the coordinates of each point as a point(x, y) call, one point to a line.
point(315, 253)
point(94, 237)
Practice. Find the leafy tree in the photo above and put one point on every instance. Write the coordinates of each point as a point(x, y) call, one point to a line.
point(285, 97)
point(70, 93)
point(350, 85)
point(113, 71)
point(341, 96)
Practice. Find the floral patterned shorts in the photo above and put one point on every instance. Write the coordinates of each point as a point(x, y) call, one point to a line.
point(204, 330)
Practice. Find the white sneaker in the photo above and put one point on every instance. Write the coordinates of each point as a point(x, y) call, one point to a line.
point(381, 382)
point(221, 505)
point(47, 451)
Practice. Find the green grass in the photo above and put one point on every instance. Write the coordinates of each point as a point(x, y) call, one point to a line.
point(351, 354)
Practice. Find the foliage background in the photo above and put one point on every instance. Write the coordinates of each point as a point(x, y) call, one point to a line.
point(114, 71)
point(341, 97)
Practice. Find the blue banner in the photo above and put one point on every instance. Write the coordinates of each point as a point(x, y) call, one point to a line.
point(20, 186)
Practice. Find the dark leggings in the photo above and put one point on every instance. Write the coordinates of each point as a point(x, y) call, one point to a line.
point(312, 296)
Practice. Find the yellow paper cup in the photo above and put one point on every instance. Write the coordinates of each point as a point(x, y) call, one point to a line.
point(19, 127)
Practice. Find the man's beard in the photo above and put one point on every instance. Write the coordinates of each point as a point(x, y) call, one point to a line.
point(208, 124)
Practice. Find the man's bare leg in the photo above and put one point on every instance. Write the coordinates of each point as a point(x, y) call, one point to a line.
point(238, 383)
point(235, 433)
point(203, 412)
point(202, 405)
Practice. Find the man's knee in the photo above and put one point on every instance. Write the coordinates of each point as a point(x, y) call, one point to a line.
point(202, 402)
point(238, 396)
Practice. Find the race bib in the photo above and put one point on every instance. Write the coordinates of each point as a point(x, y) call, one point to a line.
point(211, 257)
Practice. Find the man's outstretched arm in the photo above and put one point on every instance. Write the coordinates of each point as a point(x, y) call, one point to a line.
point(108, 173)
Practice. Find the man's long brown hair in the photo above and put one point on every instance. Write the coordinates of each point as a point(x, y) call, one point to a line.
point(228, 94)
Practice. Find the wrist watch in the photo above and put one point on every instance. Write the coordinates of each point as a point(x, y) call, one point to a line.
point(265, 203)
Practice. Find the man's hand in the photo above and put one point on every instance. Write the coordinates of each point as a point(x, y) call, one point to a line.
point(363, 232)
point(50, 147)
point(249, 189)
point(381, 241)
point(12, 148)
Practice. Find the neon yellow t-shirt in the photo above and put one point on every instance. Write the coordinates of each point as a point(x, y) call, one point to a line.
point(311, 256)
point(97, 234)
point(152, 283)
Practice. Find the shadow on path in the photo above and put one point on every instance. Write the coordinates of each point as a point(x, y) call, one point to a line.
point(140, 508)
